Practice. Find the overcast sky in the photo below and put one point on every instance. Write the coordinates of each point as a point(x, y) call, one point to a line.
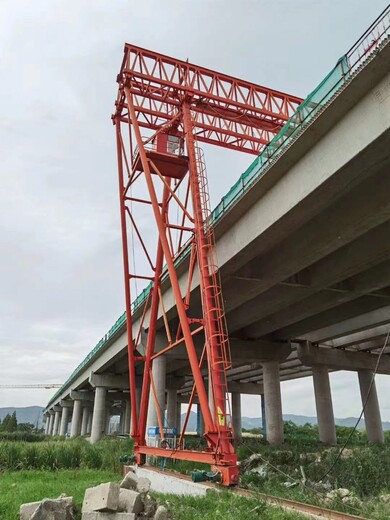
point(60, 262)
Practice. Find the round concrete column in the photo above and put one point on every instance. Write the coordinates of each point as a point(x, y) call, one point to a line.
point(324, 405)
point(127, 419)
point(263, 418)
point(121, 421)
point(108, 421)
point(84, 420)
point(89, 426)
point(51, 424)
point(47, 423)
point(64, 421)
point(199, 421)
point(171, 408)
point(372, 415)
point(99, 414)
point(138, 394)
point(236, 415)
point(159, 373)
point(273, 402)
point(76, 418)
point(178, 417)
point(57, 419)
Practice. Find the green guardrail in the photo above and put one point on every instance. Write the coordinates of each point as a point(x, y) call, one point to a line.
point(376, 36)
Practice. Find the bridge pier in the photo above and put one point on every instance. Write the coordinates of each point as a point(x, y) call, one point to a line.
point(108, 416)
point(57, 418)
point(324, 405)
point(199, 421)
point(85, 419)
point(82, 400)
point(89, 426)
point(171, 408)
point(51, 422)
point(101, 383)
point(127, 418)
point(270, 356)
point(66, 407)
point(121, 422)
point(273, 402)
point(361, 362)
point(99, 414)
point(47, 423)
point(173, 384)
point(178, 417)
point(372, 415)
point(76, 418)
point(159, 378)
point(138, 393)
point(236, 415)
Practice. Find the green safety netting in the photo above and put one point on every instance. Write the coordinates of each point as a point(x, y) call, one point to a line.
point(305, 113)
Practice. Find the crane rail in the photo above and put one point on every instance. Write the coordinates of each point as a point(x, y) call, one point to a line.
point(300, 507)
point(309, 510)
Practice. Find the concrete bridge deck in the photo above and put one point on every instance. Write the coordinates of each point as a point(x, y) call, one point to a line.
point(305, 263)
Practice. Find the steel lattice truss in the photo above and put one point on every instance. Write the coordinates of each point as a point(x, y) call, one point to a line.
point(227, 111)
point(164, 174)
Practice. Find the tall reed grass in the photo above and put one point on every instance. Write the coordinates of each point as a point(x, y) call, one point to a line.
point(63, 454)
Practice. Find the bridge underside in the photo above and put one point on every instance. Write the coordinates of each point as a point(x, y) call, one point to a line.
point(305, 266)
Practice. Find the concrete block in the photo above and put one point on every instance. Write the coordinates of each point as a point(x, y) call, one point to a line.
point(101, 498)
point(96, 515)
point(143, 485)
point(130, 481)
point(161, 513)
point(130, 501)
point(60, 509)
point(67, 501)
point(128, 467)
point(27, 510)
point(167, 483)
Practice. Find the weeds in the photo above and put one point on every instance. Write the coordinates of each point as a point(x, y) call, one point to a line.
point(219, 506)
point(60, 454)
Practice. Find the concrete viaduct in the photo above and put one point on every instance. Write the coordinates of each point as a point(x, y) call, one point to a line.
point(305, 267)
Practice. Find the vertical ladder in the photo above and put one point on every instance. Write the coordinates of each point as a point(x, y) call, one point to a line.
point(215, 320)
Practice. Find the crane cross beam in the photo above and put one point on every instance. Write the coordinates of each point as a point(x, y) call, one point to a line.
point(230, 112)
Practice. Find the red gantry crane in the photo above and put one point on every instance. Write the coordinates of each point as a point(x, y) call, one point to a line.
point(180, 105)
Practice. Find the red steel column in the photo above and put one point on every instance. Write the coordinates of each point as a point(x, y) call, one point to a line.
point(171, 268)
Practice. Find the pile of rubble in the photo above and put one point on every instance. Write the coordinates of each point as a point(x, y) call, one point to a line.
point(129, 500)
point(343, 495)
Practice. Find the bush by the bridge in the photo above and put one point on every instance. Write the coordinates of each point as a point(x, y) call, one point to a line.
point(20, 436)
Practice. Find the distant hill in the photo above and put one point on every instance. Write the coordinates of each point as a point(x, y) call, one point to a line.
point(29, 414)
point(255, 422)
point(32, 414)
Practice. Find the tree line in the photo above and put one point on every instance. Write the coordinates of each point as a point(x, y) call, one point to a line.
point(10, 424)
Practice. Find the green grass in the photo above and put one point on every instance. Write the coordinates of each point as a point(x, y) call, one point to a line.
point(221, 506)
point(362, 469)
point(63, 454)
point(19, 487)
